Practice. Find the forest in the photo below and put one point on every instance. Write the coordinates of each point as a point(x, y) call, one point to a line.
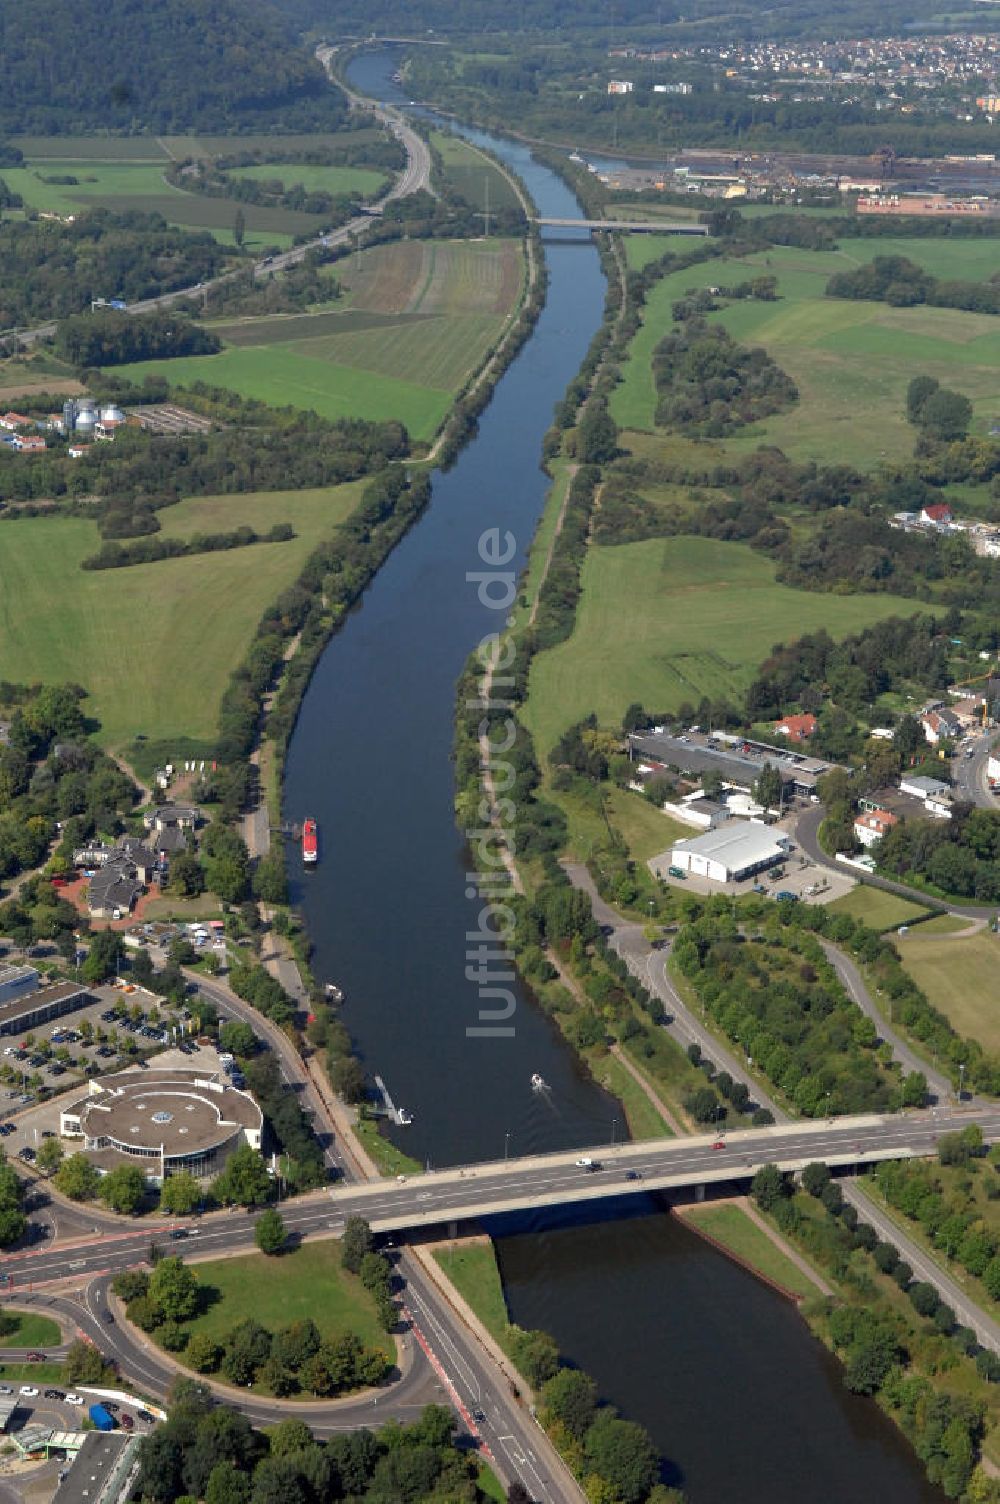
point(50, 270)
point(901, 283)
point(106, 337)
point(176, 66)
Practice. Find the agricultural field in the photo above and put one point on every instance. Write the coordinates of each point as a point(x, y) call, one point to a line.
point(851, 361)
point(959, 977)
point(136, 638)
point(416, 320)
point(671, 620)
point(365, 182)
point(469, 172)
point(124, 173)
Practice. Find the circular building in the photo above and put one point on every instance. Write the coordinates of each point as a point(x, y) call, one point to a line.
point(162, 1120)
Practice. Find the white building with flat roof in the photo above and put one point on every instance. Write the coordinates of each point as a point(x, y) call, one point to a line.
point(731, 853)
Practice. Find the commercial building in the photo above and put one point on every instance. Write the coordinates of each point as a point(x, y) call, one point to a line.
point(103, 1470)
point(165, 1120)
point(16, 981)
point(730, 854)
point(40, 1007)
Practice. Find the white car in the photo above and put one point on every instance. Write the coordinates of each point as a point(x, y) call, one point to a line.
point(29, 1392)
point(74, 1399)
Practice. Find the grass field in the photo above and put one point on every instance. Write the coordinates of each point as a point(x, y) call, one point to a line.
point(472, 1269)
point(735, 1231)
point(878, 910)
point(362, 181)
point(670, 620)
point(136, 638)
point(32, 1331)
point(959, 977)
point(850, 360)
point(644, 1120)
point(416, 320)
point(275, 1291)
point(470, 173)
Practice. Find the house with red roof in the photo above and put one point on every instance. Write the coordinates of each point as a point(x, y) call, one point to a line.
point(798, 728)
point(938, 514)
point(873, 825)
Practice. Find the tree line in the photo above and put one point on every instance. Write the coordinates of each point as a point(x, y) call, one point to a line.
point(147, 550)
point(903, 284)
point(107, 337)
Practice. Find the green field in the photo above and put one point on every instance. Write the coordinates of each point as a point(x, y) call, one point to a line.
point(851, 361)
point(472, 1269)
point(879, 910)
point(276, 1291)
point(153, 644)
point(735, 1231)
point(416, 320)
point(361, 181)
point(470, 172)
point(32, 1331)
point(674, 619)
point(959, 976)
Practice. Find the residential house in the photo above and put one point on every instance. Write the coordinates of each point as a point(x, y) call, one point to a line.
point(938, 514)
point(940, 725)
point(872, 826)
point(798, 728)
point(114, 890)
point(13, 421)
point(29, 443)
point(141, 857)
point(160, 816)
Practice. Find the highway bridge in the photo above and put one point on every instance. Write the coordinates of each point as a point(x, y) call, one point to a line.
point(636, 226)
point(523, 1184)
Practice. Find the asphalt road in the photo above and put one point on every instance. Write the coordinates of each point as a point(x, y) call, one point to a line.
point(969, 774)
point(807, 836)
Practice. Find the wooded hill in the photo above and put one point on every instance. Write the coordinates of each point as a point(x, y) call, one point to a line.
point(221, 65)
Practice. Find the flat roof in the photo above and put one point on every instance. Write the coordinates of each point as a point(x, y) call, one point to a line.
point(10, 974)
point(58, 993)
point(180, 1112)
point(734, 843)
point(93, 1466)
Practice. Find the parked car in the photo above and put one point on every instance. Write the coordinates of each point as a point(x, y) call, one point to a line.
point(126, 1422)
point(55, 1394)
point(29, 1392)
point(27, 1154)
point(632, 1175)
point(6, 1389)
point(74, 1399)
point(146, 1418)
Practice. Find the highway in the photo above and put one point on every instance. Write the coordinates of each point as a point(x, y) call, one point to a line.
point(415, 177)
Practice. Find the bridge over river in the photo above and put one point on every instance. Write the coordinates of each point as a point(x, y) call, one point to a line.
point(519, 1184)
point(636, 226)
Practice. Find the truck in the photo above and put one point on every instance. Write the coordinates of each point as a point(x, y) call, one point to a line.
point(102, 1419)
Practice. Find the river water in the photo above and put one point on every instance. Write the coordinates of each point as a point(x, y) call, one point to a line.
point(735, 1392)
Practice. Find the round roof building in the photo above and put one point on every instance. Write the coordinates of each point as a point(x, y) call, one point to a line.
point(162, 1120)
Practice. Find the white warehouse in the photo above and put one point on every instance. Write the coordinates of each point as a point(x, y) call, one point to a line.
point(732, 853)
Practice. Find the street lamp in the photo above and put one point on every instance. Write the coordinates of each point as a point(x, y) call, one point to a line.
point(506, 1145)
point(961, 1080)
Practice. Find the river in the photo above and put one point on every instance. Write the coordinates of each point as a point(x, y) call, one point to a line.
point(723, 1373)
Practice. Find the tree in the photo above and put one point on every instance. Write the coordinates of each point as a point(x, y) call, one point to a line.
point(270, 1232)
point(270, 881)
point(174, 1288)
point(50, 1155)
point(244, 1180)
point(535, 1354)
point(348, 1079)
point(814, 1177)
point(924, 1297)
point(288, 1437)
point(945, 415)
point(123, 1189)
point(768, 1187)
point(913, 1091)
point(85, 1364)
point(768, 786)
point(247, 1350)
point(203, 1353)
point(238, 1037)
point(570, 1397)
point(105, 952)
point(181, 1194)
point(239, 227)
point(623, 1454)
point(356, 1241)
point(917, 393)
point(77, 1178)
point(226, 1485)
point(597, 435)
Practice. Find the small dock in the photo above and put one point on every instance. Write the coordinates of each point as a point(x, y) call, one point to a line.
point(397, 1115)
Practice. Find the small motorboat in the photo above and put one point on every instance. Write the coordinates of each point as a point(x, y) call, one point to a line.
point(538, 1083)
point(404, 1118)
point(334, 993)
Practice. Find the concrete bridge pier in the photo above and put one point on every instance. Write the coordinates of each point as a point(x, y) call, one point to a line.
point(699, 1192)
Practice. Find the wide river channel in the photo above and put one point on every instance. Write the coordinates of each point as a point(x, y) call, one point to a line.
point(737, 1395)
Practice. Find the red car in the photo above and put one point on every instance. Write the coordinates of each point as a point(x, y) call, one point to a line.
point(720, 1143)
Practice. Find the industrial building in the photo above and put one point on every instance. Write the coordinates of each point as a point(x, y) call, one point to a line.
point(732, 853)
point(28, 1012)
point(165, 1120)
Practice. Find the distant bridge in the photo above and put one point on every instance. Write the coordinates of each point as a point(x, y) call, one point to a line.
point(518, 1184)
point(635, 226)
